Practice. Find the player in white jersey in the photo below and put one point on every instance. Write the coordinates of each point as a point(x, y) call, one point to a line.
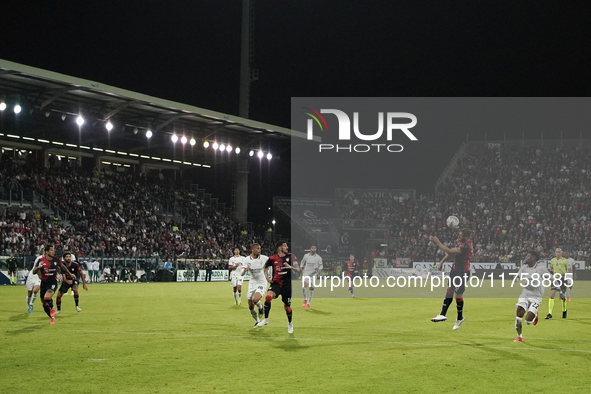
point(311, 266)
point(257, 286)
point(529, 301)
point(235, 264)
point(33, 285)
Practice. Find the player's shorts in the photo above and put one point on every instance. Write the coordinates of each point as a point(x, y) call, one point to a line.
point(529, 304)
point(31, 283)
point(66, 286)
point(11, 272)
point(48, 285)
point(283, 291)
point(458, 281)
point(308, 279)
point(236, 280)
point(254, 287)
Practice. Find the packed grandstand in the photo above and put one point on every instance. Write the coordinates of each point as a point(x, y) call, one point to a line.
point(515, 197)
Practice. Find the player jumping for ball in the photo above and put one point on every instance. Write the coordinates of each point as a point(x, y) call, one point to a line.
point(458, 276)
point(531, 297)
point(281, 283)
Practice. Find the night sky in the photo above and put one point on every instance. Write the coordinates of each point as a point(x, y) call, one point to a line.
point(189, 51)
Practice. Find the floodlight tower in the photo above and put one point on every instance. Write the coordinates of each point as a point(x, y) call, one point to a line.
point(247, 74)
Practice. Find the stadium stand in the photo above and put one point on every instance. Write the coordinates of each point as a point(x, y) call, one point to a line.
point(514, 197)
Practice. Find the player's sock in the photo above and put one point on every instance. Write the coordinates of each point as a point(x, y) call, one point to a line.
point(446, 303)
point(259, 304)
point(46, 308)
point(28, 300)
point(311, 295)
point(76, 298)
point(33, 298)
point(59, 304)
point(304, 293)
point(460, 307)
point(254, 315)
point(518, 327)
point(563, 305)
point(569, 291)
point(235, 299)
point(50, 302)
point(267, 306)
point(550, 305)
point(239, 297)
point(289, 314)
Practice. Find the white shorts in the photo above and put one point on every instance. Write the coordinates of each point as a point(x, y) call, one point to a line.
point(31, 283)
point(308, 279)
point(236, 280)
point(529, 304)
point(253, 287)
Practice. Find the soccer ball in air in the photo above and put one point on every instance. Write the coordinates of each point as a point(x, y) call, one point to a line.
point(453, 222)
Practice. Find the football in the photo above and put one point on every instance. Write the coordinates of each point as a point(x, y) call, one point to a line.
point(453, 222)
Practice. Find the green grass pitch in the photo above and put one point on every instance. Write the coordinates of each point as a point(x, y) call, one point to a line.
point(189, 337)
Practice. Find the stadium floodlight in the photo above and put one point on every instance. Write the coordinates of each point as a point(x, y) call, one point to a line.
point(17, 109)
point(63, 117)
point(79, 120)
point(237, 150)
point(260, 154)
point(269, 156)
point(183, 140)
point(192, 142)
point(215, 146)
point(2, 106)
point(273, 222)
point(229, 148)
point(222, 147)
point(206, 144)
point(149, 133)
point(109, 126)
point(174, 138)
point(251, 153)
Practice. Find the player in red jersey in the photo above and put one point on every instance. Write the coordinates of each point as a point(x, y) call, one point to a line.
point(47, 270)
point(283, 264)
point(74, 269)
point(353, 270)
point(462, 253)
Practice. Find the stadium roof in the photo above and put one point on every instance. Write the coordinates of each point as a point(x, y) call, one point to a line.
point(46, 96)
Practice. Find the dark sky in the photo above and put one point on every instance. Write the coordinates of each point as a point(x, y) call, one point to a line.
point(189, 51)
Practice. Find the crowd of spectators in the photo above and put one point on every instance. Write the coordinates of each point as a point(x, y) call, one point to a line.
point(113, 214)
point(513, 198)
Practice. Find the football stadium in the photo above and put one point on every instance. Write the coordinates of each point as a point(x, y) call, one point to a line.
point(149, 245)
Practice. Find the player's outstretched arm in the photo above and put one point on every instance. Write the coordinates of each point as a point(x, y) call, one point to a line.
point(452, 251)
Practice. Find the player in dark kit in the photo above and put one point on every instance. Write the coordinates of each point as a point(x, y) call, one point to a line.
point(282, 264)
point(74, 269)
point(460, 271)
point(47, 271)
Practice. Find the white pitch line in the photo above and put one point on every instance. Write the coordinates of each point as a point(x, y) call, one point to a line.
point(334, 340)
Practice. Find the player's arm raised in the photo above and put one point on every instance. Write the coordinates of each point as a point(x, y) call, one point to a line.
point(451, 251)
